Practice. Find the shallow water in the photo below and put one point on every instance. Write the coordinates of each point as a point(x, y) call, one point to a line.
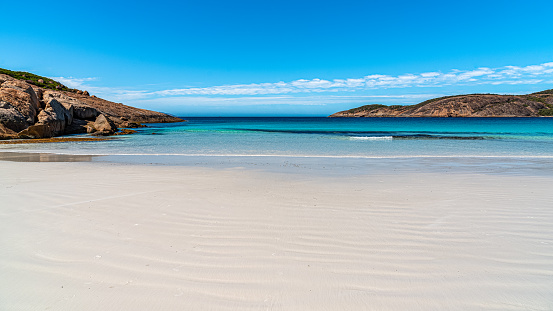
point(327, 137)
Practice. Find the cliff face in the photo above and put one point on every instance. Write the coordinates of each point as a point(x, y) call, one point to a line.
point(39, 107)
point(476, 105)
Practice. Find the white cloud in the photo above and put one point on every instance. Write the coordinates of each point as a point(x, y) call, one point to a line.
point(531, 74)
point(316, 100)
point(514, 82)
point(113, 93)
point(430, 74)
point(484, 75)
point(71, 82)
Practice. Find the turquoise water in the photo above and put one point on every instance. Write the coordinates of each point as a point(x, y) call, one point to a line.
point(328, 137)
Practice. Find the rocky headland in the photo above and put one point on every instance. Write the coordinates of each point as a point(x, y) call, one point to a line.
point(473, 105)
point(33, 107)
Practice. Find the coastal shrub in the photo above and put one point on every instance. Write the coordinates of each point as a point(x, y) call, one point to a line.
point(396, 107)
point(374, 107)
point(366, 108)
point(426, 102)
point(546, 112)
point(27, 76)
point(547, 92)
point(505, 99)
point(535, 99)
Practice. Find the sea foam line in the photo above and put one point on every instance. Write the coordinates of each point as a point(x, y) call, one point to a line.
point(332, 156)
point(371, 137)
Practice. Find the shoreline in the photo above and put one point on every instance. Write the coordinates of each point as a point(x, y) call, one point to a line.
point(43, 157)
point(314, 165)
point(192, 155)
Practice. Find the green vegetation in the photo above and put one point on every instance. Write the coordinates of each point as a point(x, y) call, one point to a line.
point(410, 107)
point(543, 97)
point(432, 100)
point(426, 102)
point(374, 107)
point(547, 92)
point(367, 108)
point(396, 107)
point(46, 83)
point(546, 111)
point(535, 99)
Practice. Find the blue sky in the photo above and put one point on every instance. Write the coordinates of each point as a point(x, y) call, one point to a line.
point(250, 58)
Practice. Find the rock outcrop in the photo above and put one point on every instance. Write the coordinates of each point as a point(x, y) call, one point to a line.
point(52, 121)
point(475, 105)
point(21, 97)
point(28, 110)
point(79, 109)
point(104, 126)
point(5, 77)
point(11, 119)
point(32, 108)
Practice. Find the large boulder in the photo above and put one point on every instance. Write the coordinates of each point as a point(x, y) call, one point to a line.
point(80, 109)
point(104, 126)
point(4, 78)
point(52, 121)
point(19, 106)
point(6, 133)
point(77, 127)
point(60, 106)
point(27, 88)
point(84, 112)
point(39, 130)
point(11, 118)
point(57, 111)
point(22, 101)
point(39, 92)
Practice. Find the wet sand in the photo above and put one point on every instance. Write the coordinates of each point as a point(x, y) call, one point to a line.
point(43, 157)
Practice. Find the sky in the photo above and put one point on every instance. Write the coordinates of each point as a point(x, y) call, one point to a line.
point(281, 58)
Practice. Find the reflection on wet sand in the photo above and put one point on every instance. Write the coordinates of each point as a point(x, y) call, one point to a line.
point(43, 157)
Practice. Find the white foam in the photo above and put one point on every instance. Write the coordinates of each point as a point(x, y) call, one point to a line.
point(371, 138)
point(333, 156)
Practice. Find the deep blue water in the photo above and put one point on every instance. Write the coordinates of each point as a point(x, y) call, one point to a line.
point(359, 137)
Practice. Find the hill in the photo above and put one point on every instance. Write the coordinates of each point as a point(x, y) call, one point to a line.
point(472, 105)
point(33, 106)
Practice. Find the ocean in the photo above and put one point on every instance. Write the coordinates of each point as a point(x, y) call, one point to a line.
point(326, 137)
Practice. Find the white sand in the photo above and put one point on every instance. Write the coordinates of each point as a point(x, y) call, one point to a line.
point(99, 236)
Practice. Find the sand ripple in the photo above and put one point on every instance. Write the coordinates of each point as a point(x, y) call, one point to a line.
point(160, 238)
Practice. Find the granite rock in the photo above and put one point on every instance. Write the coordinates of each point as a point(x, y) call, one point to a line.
point(104, 126)
point(51, 121)
point(11, 119)
point(31, 111)
point(24, 87)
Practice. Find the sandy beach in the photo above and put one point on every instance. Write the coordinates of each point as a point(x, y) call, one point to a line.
point(276, 155)
point(122, 236)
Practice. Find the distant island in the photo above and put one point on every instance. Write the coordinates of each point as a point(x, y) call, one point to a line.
point(472, 105)
point(33, 106)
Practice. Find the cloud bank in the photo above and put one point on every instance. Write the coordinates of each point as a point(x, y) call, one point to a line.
point(505, 75)
point(532, 74)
